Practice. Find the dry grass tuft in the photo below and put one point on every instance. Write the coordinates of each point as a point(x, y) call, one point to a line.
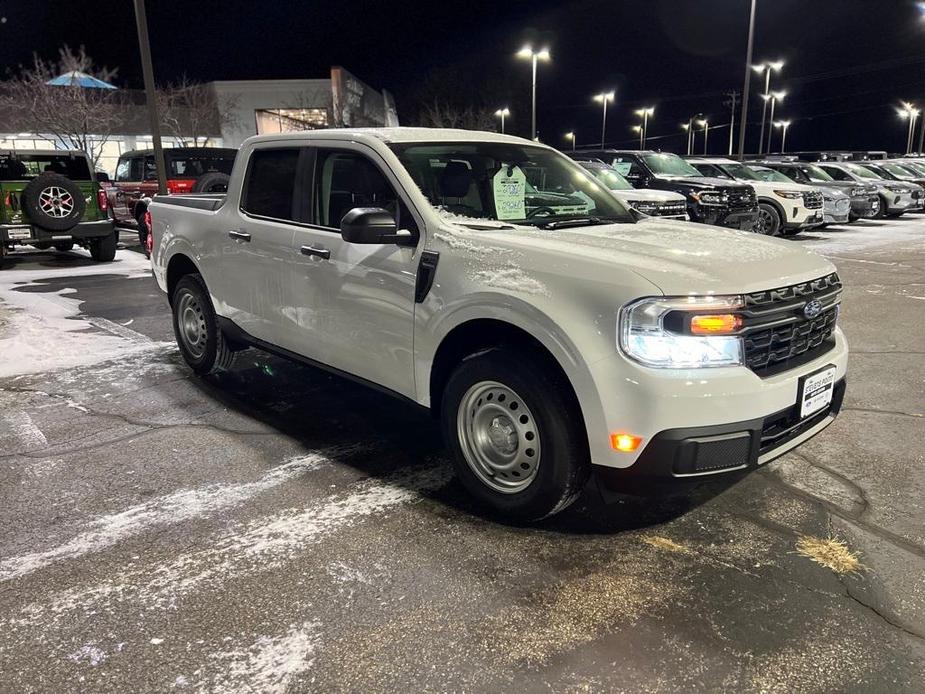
point(830, 552)
point(665, 543)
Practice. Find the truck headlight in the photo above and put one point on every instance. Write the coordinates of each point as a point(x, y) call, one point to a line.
point(897, 189)
point(648, 208)
point(683, 332)
point(710, 197)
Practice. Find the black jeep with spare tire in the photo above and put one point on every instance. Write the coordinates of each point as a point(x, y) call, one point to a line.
point(51, 199)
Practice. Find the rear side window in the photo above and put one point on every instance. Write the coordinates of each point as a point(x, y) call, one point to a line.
point(182, 165)
point(837, 174)
point(20, 167)
point(270, 183)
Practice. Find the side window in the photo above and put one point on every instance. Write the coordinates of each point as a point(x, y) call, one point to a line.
point(269, 187)
point(150, 169)
point(837, 174)
point(344, 180)
point(793, 173)
point(711, 170)
point(627, 167)
point(122, 170)
point(135, 169)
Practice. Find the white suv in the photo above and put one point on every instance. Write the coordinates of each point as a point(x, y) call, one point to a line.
point(782, 209)
point(494, 281)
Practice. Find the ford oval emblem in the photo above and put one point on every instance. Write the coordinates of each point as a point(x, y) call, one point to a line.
point(812, 309)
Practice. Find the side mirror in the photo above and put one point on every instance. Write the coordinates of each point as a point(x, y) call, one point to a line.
point(372, 225)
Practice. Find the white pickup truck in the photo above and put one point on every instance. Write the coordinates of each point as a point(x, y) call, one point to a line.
point(491, 279)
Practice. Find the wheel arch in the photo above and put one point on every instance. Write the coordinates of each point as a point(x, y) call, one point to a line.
point(777, 208)
point(179, 266)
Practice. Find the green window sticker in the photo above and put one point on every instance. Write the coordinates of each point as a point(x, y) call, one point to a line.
point(622, 167)
point(510, 190)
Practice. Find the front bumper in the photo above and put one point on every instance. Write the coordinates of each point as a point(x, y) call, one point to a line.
point(893, 203)
point(743, 218)
point(865, 206)
point(24, 233)
point(836, 211)
point(801, 217)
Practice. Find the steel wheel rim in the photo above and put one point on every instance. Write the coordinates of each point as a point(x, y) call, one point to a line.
point(56, 202)
point(499, 437)
point(764, 222)
point(191, 325)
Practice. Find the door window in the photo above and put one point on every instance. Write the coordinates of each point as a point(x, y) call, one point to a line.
point(344, 180)
point(269, 187)
point(837, 174)
point(122, 170)
point(136, 168)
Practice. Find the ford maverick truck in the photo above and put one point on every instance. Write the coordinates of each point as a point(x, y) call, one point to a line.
point(555, 332)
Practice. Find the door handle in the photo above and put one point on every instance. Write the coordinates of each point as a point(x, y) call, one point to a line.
point(317, 252)
point(239, 235)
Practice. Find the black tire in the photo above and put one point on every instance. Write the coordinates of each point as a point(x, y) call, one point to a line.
point(537, 387)
point(64, 246)
point(794, 231)
point(42, 246)
point(53, 202)
point(190, 301)
point(212, 182)
point(881, 211)
point(769, 221)
point(103, 249)
point(895, 215)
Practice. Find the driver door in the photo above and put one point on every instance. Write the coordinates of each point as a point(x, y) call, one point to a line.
point(353, 304)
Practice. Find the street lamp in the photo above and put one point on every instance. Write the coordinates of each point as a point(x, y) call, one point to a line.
point(773, 97)
point(645, 113)
point(604, 98)
point(909, 112)
point(571, 136)
point(706, 131)
point(638, 129)
point(503, 113)
point(784, 124)
point(527, 52)
point(686, 127)
point(766, 69)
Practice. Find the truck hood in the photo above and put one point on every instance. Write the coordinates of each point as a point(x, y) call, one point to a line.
point(678, 257)
point(648, 195)
point(702, 182)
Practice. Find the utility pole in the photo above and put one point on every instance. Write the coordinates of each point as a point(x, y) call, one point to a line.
point(748, 66)
point(147, 70)
point(731, 102)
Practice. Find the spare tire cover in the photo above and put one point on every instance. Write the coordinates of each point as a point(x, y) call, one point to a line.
point(54, 202)
point(212, 182)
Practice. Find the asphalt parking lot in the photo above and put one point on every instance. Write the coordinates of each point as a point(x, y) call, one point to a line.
point(280, 529)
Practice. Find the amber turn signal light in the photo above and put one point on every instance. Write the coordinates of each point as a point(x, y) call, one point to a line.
point(719, 324)
point(625, 443)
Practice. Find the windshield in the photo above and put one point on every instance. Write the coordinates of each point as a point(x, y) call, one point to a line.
point(898, 171)
point(916, 166)
point(739, 171)
point(610, 178)
point(814, 173)
point(184, 165)
point(770, 175)
point(862, 172)
point(25, 167)
point(508, 183)
point(664, 164)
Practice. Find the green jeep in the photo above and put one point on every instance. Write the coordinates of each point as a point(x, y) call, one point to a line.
point(51, 198)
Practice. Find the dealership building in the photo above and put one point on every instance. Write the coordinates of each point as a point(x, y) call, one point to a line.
point(247, 107)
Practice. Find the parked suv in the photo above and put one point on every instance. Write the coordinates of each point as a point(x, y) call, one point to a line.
point(896, 197)
point(783, 209)
point(551, 343)
point(655, 203)
point(50, 198)
point(189, 170)
point(709, 200)
point(865, 202)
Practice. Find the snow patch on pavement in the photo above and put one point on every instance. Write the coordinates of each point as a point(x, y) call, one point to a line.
point(23, 429)
point(88, 653)
point(178, 507)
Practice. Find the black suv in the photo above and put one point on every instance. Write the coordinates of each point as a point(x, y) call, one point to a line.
point(709, 200)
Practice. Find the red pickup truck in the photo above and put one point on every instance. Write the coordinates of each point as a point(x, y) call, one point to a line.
point(189, 170)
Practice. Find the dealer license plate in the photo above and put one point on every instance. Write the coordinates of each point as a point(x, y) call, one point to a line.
point(19, 233)
point(816, 391)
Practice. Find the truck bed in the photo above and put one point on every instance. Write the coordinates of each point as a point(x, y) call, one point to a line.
point(199, 201)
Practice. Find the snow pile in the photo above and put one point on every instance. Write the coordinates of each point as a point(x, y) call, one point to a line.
point(511, 278)
point(479, 250)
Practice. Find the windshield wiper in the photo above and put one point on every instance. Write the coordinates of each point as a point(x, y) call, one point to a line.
point(575, 222)
point(483, 227)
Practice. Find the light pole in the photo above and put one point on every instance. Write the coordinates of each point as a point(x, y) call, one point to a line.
point(774, 98)
point(147, 71)
point(909, 112)
point(503, 113)
point(645, 113)
point(783, 124)
point(766, 69)
point(604, 98)
point(743, 117)
point(687, 128)
point(638, 129)
point(706, 131)
point(571, 136)
point(534, 56)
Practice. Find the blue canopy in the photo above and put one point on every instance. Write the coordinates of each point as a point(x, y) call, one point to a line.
point(75, 78)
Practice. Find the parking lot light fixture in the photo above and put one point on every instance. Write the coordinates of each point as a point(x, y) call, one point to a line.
point(604, 98)
point(766, 69)
point(705, 124)
point(638, 129)
point(775, 97)
point(783, 125)
point(534, 56)
point(571, 136)
point(645, 113)
point(911, 113)
point(502, 113)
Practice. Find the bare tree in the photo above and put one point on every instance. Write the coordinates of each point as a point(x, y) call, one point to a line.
point(77, 117)
point(438, 113)
point(190, 112)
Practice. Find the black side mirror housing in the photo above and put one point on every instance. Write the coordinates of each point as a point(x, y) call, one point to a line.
point(372, 225)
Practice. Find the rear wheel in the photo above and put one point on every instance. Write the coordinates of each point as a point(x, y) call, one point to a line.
point(195, 326)
point(768, 220)
point(517, 438)
point(143, 230)
point(103, 249)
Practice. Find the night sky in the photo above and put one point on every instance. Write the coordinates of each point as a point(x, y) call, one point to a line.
point(848, 62)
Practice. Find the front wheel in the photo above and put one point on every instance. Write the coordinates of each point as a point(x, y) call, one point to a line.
point(195, 326)
point(516, 434)
point(768, 220)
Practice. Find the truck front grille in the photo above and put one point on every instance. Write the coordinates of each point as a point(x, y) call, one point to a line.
point(670, 209)
point(812, 200)
point(781, 333)
point(740, 197)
